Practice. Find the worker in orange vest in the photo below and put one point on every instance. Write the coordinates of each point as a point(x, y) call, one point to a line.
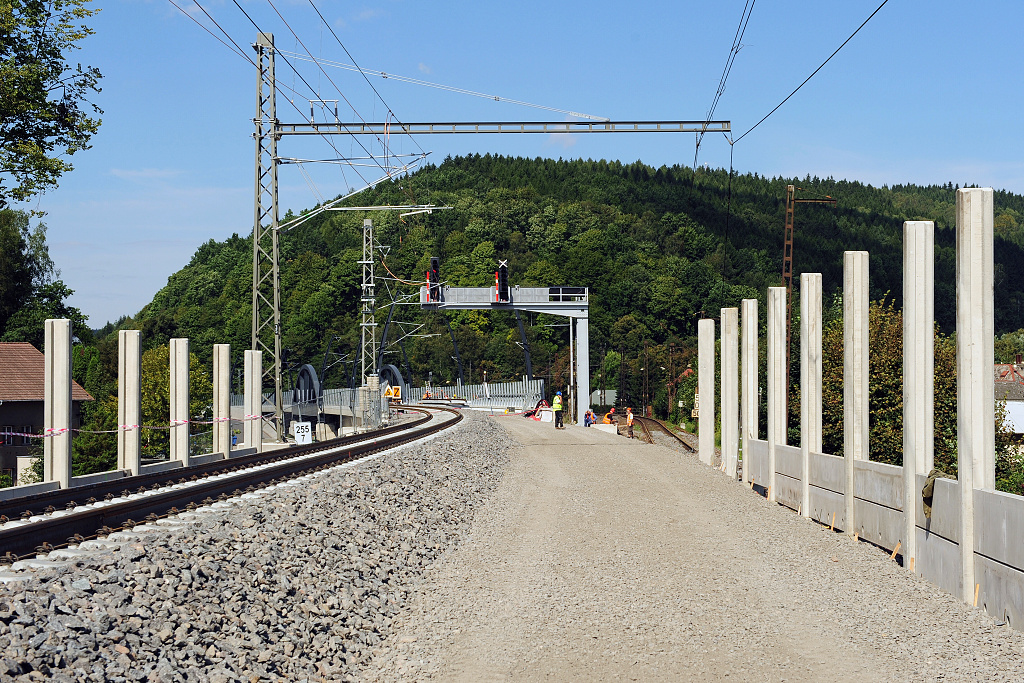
point(629, 422)
point(608, 417)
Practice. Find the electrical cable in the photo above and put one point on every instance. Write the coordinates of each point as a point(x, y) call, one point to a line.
point(448, 88)
point(215, 36)
point(737, 44)
point(379, 96)
point(311, 89)
point(323, 71)
point(884, 2)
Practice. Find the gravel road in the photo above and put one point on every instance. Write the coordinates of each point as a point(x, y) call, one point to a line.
point(599, 558)
point(301, 582)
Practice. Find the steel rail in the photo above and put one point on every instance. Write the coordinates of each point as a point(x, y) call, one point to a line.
point(40, 503)
point(89, 522)
point(662, 428)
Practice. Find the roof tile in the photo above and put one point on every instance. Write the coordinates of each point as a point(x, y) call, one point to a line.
point(22, 372)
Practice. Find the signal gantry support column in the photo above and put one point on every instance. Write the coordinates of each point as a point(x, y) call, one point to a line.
point(582, 368)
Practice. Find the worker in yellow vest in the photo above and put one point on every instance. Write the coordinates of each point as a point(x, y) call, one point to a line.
point(556, 406)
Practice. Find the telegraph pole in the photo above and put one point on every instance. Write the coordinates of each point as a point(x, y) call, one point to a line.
point(266, 274)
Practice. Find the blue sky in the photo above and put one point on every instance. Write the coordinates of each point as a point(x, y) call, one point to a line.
point(928, 92)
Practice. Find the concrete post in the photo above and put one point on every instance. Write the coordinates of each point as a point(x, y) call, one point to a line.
point(975, 404)
point(810, 381)
point(582, 369)
point(253, 400)
point(750, 397)
point(372, 409)
point(706, 389)
point(179, 401)
point(777, 426)
point(57, 402)
point(222, 399)
point(730, 390)
point(855, 371)
point(129, 400)
point(918, 369)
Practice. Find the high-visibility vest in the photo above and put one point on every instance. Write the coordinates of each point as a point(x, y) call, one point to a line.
point(556, 403)
point(629, 419)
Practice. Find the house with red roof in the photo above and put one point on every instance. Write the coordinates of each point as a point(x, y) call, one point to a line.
point(22, 372)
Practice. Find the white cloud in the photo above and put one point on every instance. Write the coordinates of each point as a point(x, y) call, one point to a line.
point(424, 68)
point(139, 175)
point(368, 14)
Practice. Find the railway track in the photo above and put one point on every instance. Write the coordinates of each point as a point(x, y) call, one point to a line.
point(648, 424)
point(60, 518)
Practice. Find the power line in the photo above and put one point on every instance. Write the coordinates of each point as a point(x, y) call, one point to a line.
point(312, 90)
point(447, 88)
point(737, 45)
point(340, 93)
point(884, 2)
point(379, 96)
point(237, 50)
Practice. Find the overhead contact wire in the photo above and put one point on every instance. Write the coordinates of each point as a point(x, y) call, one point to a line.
point(884, 3)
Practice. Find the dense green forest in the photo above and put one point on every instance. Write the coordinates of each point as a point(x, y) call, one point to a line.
point(658, 248)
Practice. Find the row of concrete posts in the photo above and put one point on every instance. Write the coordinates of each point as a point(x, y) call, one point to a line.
point(57, 402)
point(974, 363)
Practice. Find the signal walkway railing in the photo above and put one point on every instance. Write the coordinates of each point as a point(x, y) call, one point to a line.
point(496, 396)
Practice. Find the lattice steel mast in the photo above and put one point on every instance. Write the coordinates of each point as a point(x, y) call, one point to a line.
point(368, 303)
point(266, 274)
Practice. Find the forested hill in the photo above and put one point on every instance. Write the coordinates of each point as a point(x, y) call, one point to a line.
point(655, 246)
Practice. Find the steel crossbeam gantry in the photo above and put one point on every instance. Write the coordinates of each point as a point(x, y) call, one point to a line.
point(364, 128)
point(266, 279)
point(572, 302)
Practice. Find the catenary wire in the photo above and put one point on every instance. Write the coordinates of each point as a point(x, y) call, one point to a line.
point(448, 88)
point(237, 49)
point(312, 90)
point(323, 71)
point(737, 44)
point(749, 130)
point(379, 96)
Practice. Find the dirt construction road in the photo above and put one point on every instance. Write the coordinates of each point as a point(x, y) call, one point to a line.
point(605, 559)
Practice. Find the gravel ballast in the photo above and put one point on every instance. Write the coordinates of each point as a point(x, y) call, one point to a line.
point(298, 582)
point(600, 558)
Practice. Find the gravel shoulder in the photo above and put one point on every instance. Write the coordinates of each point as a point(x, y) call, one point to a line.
point(599, 558)
point(300, 582)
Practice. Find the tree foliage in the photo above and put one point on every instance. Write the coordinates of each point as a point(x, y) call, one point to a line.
point(29, 292)
point(45, 115)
